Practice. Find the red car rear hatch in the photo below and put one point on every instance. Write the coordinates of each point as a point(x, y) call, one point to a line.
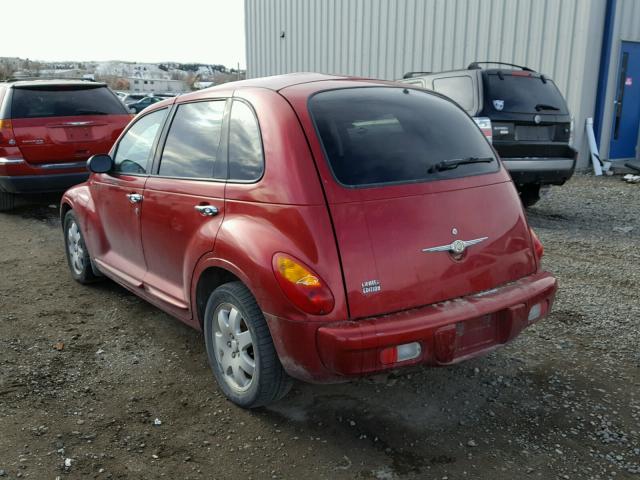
point(65, 123)
point(412, 229)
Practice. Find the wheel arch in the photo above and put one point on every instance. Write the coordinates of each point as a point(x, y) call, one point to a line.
point(210, 274)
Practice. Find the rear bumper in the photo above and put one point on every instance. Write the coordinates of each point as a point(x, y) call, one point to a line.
point(448, 332)
point(18, 176)
point(544, 171)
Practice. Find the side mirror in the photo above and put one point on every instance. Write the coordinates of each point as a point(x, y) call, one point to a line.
point(100, 163)
point(132, 110)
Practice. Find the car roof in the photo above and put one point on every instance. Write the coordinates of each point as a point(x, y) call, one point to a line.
point(315, 82)
point(51, 82)
point(276, 83)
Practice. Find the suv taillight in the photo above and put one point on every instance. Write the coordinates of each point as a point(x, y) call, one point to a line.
point(485, 125)
point(571, 133)
point(302, 286)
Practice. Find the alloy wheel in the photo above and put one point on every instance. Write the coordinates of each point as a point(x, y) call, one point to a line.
point(234, 347)
point(76, 248)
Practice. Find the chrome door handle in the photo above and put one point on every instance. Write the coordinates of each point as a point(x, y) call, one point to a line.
point(206, 210)
point(134, 197)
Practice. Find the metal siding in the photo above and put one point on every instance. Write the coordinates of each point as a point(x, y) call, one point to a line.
point(386, 38)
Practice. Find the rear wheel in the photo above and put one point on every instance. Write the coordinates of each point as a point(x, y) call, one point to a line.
point(529, 194)
point(7, 201)
point(78, 257)
point(240, 349)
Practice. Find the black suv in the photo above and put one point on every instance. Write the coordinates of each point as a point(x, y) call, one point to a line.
point(522, 112)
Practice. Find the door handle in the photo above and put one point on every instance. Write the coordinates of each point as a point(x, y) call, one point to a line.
point(134, 197)
point(206, 210)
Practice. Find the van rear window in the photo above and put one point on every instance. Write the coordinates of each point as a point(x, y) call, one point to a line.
point(64, 101)
point(524, 94)
point(388, 135)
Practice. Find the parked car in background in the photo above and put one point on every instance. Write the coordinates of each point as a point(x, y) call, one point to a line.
point(130, 98)
point(522, 112)
point(48, 130)
point(140, 105)
point(313, 226)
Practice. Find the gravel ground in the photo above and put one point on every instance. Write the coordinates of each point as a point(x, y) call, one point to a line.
point(95, 383)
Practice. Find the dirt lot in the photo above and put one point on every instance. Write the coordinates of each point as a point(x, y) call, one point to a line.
point(563, 401)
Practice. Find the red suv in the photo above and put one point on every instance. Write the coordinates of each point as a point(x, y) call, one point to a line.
point(314, 227)
point(48, 129)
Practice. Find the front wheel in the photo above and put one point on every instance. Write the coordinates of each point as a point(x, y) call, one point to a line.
point(240, 349)
point(78, 257)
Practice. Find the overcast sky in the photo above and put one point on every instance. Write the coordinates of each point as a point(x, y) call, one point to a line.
point(204, 31)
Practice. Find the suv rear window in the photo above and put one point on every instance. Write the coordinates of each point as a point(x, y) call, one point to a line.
point(64, 101)
point(522, 94)
point(386, 135)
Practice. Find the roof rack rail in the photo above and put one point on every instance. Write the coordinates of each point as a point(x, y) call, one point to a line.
point(414, 74)
point(20, 79)
point(476, 66)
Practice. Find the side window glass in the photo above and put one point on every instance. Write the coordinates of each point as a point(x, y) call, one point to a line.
point(133, 154)
point(246, 160)
point(191, 149)
point(458, 89)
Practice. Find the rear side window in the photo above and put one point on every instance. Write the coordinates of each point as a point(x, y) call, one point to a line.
point(459, 89)
point(523, 94)
point(245, 146)
point(64, 101)
point(192, 146)
point(386, 135)
point(135, 148)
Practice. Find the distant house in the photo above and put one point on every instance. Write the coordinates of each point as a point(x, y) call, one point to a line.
point(156, 85)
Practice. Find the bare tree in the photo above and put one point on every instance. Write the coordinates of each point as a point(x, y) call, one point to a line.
point(6, 70)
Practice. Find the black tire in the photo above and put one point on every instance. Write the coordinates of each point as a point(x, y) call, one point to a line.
point(80, 265)
point(529, 194)
point(7, 201)
point(268, 382)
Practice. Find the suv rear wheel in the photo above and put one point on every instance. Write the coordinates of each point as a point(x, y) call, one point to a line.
point(7, 201)
point(240, 349)
point(529, 194)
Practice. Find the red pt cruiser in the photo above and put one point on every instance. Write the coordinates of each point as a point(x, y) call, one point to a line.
point(314, 227)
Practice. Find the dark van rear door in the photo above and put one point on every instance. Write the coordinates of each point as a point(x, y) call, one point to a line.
point(58, 123)
point(392, 205)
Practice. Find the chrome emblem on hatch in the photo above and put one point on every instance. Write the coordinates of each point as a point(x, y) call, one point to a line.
point(537, 119)
point(498, 105)
point(456, 247)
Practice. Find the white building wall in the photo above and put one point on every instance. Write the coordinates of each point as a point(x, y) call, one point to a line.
point(626, 28)
point(156, 85)
point(386, 38)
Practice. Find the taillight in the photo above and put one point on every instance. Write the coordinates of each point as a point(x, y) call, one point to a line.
point(538, 248)
point(6, 133)
point(302, 286)
point(485, 126)
point(571, 132)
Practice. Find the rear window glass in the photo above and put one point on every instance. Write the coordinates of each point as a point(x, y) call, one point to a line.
point(383, 135)
point(524, 94)
point(63, 101)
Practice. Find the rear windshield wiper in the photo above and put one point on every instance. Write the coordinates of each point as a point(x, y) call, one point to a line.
point(454, 162)
point(544, 106)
